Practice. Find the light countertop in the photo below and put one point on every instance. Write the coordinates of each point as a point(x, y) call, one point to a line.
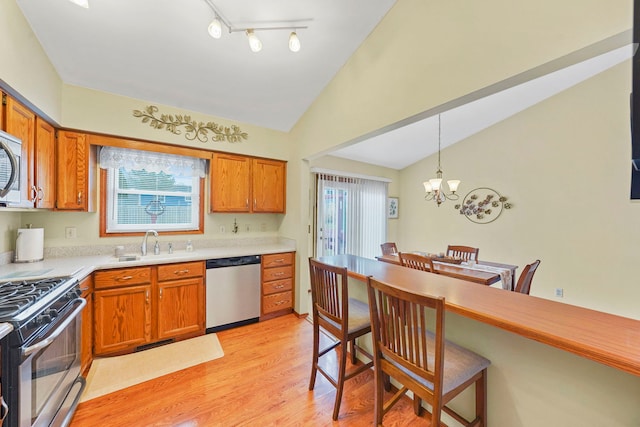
point(82, 266)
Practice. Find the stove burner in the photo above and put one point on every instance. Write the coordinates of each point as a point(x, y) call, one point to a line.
point(17, 296)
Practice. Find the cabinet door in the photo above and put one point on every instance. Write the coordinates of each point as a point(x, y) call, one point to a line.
point(86, 342)
point(21, 122)
point(230, 183)
point(180, 307)
point(72, 186)
point(122, 319)
point(269, 181)
point(45, 178)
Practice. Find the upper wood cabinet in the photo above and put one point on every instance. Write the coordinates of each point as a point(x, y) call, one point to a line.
point(247, 184)
point(74, 172)
point(21, 123)
point(38, 154)
point(45, 171)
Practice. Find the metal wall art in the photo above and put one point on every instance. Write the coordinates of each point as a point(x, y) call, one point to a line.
point(194, 130)
point(483, 205)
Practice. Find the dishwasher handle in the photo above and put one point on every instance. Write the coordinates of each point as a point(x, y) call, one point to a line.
point(233, 261)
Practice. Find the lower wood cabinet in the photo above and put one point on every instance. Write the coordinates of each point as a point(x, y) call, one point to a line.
point(278, 272)
point(141, 305)
point(86, 342)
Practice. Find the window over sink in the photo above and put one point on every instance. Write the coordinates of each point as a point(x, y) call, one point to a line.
point(145, 189)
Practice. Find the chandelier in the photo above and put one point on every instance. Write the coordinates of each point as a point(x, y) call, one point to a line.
point(219, 21)
point(433, 187)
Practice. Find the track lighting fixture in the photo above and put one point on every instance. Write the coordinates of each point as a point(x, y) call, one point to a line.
point(215, 28)
point(254, 42)
point(294, 42)
point(216, 25)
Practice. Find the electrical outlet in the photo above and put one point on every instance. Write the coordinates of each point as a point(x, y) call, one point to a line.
point(70, 232)
point(247, 227)
point(222, 229)
point(559, 292)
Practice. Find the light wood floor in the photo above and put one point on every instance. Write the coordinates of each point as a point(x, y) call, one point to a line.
point(262, 380)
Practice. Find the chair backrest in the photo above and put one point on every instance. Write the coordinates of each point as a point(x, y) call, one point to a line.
point(416, 261)
point(389, 248)
point(328, 291)
point(464, 252)
point(399, 321)
point(524, 282)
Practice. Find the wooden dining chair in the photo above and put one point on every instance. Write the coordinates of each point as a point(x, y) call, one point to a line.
point(389, 248)
point(465, 252)
point(416, 261)
point(343, 317)
point(524, 281)
point(434, 369)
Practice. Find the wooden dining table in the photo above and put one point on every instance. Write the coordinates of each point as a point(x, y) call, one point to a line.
point(460, 271)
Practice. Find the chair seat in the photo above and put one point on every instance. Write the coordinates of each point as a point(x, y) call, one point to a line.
point(359, 317)
point(460, 364)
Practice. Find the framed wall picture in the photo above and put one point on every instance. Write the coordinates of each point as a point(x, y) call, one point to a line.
point(392, 207)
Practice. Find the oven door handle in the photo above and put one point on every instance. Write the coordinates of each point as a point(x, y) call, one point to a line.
point(14, 167)
point(56, 332)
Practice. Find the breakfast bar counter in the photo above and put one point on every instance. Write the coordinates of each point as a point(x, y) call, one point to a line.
point(602, 337)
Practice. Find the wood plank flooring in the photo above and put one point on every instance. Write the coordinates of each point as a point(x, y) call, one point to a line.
point(262, 380)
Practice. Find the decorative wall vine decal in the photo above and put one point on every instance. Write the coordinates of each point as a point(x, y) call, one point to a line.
point(483, 205)
point(193, 130)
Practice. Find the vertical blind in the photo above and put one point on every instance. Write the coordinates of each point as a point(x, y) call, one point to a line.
point(350, 215)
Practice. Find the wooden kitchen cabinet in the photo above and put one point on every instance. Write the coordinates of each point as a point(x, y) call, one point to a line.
point(180, 299)
point(122, 310)
point(247, 184)
point(75, 187)
point(138, 306)
point(278, 272)
point(86, 342)
point(21, 123)
point(45, 171)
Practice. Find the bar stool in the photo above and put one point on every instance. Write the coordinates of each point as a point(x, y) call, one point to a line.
point(345, 321)
point(434, 369)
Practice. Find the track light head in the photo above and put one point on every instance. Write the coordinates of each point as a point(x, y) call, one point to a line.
point(254, 42)
point(215, 28)
point(294, 42)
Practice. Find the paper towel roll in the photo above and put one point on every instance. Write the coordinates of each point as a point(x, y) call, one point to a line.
point(30, 245)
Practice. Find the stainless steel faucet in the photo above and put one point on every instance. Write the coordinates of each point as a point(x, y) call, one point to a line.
point(143, 248)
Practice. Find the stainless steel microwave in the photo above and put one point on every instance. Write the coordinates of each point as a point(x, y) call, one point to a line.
point(10, 163)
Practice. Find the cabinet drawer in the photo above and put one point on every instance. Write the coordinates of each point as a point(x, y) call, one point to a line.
point(277, 273)
point(276, 286)
point(124, 277)
point(276, 260)
point(180, 271)
point(276, 302)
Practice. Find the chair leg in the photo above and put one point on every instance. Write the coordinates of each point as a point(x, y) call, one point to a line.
point(380, 380)
point(316, 350)
point(340, 383)
point(417, 405)
point(354, 359)
point(481, 399)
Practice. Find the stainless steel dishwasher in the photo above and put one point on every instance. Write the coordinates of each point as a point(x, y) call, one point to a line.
point(233, 292)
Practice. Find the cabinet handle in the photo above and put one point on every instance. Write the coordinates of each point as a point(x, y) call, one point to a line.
point(180, 272)
point(279, 260)
point(279, 273)
point(255, 203)
point(278, 287)
point(280, 302)
point(40, 194)
point(147, 296)
point(123, 278)
point(247, 203)
point(160, 293)
point(79, 197)
point(34, 193)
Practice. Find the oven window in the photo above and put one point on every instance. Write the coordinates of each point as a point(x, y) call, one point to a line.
point(50, 368)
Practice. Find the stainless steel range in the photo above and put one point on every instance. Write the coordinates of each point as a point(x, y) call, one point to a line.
point(41, 357)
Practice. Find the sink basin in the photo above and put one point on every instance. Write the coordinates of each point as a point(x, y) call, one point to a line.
point(125, 258)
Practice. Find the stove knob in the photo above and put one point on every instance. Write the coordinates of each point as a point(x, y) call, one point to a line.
point(52, 313)
point(43, 319)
